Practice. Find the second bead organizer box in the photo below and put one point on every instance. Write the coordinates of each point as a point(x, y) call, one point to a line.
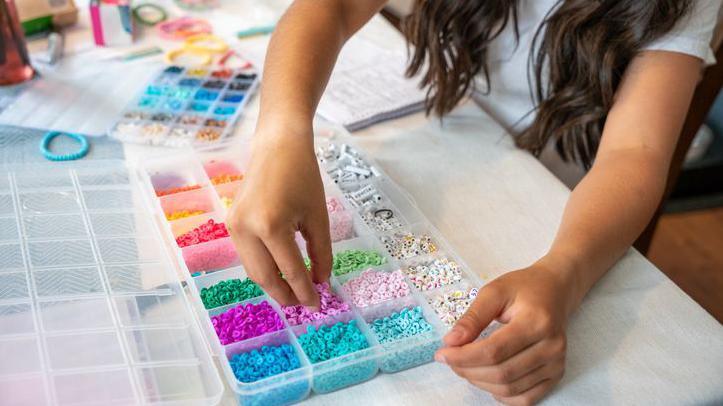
point(395, 290)
point(183, 106)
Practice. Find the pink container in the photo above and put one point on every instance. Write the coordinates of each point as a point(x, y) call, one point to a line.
point(211, 256)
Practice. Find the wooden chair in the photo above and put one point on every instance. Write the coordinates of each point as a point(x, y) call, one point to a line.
point(703, 99)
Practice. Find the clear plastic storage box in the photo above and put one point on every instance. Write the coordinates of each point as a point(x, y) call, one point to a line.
point(335, 373)
point(93, 276)
point(91, 308)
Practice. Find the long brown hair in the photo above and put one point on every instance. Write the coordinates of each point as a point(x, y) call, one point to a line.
point(582, 49)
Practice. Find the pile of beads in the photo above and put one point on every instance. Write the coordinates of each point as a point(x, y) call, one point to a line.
point(211, 256)
point(246, 321)
point(381, 219)
point(226, 178)
point(373, 287)
point(434, 274)
point(171, 191)
point(396, 326)
point(331, 342)
point(340, 220)
point(207, 231)
point(402, 245)
point(354, 260)
point(208, 134)
point(177, 215)
point(331, 305)
point(264, 362)
point(365, 196)
point(229, 291)
point(451, 306)
point(345, 165)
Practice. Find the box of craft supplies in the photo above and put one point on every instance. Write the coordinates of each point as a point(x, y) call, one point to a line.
point(112, 22)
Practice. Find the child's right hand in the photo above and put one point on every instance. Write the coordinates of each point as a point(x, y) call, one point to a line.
point(282, 193)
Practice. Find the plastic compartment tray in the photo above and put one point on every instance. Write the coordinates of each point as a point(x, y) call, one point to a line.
point(91, 309)
point(352, 368)
point(182, 106)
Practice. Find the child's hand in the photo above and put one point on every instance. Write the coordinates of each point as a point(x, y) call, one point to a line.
point(282, 193)
point(519, 363)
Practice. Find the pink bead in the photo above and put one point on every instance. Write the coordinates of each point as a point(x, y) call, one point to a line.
point(373, 287)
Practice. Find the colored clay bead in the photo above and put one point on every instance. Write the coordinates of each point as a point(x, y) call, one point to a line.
point(222, 73)
point(450, 306)
point(212, 122)
point(341, 221)
point(434, 274)
point(246, 321)
point(208, 134)
point(403, 245)
point(229, 291)
point(419, 344)
point(354, 260)
point(211, 256)
point(207, 231)
point(396, 326)
point(264, 362)
point(136, 115)
point(189, 119)
point(226, 178)
point(373, 287)
point(239, 86)
point(176, 215)
point(181, 189)
point(327, 342)
point(331, 305)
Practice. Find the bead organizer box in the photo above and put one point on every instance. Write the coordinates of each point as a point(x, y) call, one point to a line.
point(386, 307)
point(186, 106)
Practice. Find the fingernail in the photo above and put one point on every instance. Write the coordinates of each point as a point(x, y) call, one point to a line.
point(454, 335)
point(440, 358)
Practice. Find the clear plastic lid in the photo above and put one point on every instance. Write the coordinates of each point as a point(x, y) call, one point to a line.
point(91, 308)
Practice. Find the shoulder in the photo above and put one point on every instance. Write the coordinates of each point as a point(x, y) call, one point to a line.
point(693, 33)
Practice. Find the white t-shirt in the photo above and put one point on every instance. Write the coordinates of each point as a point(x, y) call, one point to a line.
point(510, 98)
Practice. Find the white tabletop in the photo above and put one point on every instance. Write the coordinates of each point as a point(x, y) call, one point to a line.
point(637, 338)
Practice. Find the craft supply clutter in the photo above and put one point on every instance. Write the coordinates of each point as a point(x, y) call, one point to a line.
point(396, 287)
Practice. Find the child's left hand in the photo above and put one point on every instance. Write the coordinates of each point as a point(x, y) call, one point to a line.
point(523, 360)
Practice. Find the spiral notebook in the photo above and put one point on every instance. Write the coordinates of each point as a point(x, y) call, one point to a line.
point(368, 86)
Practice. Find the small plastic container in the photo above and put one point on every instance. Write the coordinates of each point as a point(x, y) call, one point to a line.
point(346, 370)
point(227, 193)
point(285, 388)
point(217, 168)
point(211, 256)
point(187, 204)
point(409, 352)
point(186, 224)
point(168, 174)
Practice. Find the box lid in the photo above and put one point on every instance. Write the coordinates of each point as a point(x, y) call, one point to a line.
point(91, 308)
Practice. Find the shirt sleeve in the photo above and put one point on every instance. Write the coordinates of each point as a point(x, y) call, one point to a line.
point(693, 33)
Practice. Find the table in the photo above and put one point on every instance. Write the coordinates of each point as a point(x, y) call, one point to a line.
point(636, 339)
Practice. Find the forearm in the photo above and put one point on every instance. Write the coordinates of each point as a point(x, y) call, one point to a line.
point(301, 56)
point(605, 214)
point(611, 206)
